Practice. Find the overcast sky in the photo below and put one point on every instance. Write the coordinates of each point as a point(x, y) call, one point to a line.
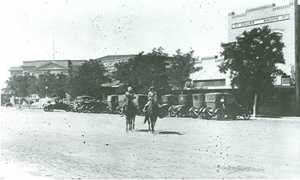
point(85, 29)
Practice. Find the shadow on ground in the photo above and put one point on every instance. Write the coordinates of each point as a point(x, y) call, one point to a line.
point(232, 119)
point(161, 132)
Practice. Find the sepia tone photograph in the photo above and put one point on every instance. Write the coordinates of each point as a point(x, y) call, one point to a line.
point(149, 89)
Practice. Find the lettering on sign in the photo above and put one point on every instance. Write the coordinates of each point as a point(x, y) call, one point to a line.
point(271, 19)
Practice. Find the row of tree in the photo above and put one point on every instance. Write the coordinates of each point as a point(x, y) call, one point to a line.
point(44, 84)
point(251, 61)
point(156, 69)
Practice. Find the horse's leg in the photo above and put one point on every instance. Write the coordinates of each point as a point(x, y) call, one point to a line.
point(130, 123)
point(152, 124)
point(154, 121)
point(149, 124)
point(127, 123)
point(133, 122)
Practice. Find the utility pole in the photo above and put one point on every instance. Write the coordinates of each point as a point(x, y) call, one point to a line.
point(297, 58)
point(53, 47)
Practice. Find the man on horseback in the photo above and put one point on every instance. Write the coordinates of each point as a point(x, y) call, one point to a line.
point(129, 95)
point(129, 108)
point(152, 101)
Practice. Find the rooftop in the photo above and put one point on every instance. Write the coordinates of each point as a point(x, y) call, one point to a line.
point(273, 7)
point(115, 57)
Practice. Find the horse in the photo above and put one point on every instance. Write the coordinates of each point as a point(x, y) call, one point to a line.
point(151, 112)
point(130, 113)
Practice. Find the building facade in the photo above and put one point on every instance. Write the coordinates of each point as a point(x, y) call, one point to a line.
point(45, 66)
point(209, 76)
point(110, 61)
point(281, 19)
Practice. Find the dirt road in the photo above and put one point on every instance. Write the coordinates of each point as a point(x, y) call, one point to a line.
point(57, 145)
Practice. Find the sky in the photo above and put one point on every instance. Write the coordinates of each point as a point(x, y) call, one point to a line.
point(87, 29)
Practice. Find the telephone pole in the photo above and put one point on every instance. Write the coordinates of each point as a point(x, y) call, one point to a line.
point(53, 47)
point(297, 58)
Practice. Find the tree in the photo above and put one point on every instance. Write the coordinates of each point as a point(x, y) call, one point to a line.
point(252, 62)
point(60, 85)
point(46, 85)
point(145, 70)
point(181, 66)
point(23, 85)
point(88, 80)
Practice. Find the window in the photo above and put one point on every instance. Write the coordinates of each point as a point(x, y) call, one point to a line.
point(206, 83)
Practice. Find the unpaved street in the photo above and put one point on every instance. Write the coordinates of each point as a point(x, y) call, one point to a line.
point(56, 145)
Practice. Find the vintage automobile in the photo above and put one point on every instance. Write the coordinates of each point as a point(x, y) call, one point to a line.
point(182, 109)
point(57, 105)
point(113, 103)
point(121, 103)
point(167, 101)
point(88, 104)
point(224, 106)
point(140, 100)
point(198, 108)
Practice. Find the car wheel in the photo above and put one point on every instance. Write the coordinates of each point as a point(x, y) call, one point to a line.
point(206, 114)
point(193, 114)
point(172, 113)
point(246, 116)
point(220, 115)
point(180, 114)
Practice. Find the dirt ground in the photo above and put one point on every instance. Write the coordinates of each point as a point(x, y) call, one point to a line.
point(60, 145)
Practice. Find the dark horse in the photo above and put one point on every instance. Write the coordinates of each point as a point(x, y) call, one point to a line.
point(151, 113)
point(130, 113)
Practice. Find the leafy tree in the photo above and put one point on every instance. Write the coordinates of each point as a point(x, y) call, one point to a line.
point(251, 61)
point(45, 84)
point(26, 84)
point(61, 84)
point(181, 66)
point(145, 70)
point(22, 86)
point(88, 79)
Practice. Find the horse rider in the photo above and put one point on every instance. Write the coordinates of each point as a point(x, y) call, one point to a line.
point(129, 98)
point(152, 98)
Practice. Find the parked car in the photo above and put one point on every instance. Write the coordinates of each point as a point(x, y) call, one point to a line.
point(169, 99)
point(140, 100)
point(198, 107)
point(113, 103)
point(88, 104)
point(58, 105)
point(224, 106)
point(182, 109)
